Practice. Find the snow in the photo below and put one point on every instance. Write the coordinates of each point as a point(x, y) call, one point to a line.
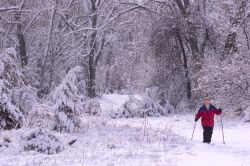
point(118, 106)
point(114, 101)
point(136, 141)
point(69, 91)
point(41, 116)
point(111, 102)
point(10, 79)
point(236, 151)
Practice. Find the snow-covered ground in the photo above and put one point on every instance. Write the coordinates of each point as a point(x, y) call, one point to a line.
point(150, 141)
point(236, 151)
point(113, 102)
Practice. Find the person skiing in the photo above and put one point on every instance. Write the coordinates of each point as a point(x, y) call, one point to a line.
point(206, 113)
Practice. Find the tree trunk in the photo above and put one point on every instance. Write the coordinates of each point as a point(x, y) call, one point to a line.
point(91, 61)
point(92, 76)
point(52, 63)
point(193, 41)
point(22, 46)
point(188, 84)
point(107, 78)
point(21, 38)
point(192, 36)
point(46, 51)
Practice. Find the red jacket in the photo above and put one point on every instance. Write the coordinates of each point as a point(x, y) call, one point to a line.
point(207, 115)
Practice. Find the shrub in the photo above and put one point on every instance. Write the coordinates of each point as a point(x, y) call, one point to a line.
point(41, 141)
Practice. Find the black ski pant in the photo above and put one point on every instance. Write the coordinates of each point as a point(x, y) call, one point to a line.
point(207, 133)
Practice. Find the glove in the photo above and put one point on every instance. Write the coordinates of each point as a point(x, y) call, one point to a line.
point(195, 120)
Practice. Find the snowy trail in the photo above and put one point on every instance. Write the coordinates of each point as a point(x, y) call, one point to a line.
point(118, 142)
point(236, 151)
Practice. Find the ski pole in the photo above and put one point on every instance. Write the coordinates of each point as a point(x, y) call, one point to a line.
point(222, 130)
point(193, 131)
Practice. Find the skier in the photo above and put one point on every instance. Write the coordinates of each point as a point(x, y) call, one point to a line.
point(206, 112)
